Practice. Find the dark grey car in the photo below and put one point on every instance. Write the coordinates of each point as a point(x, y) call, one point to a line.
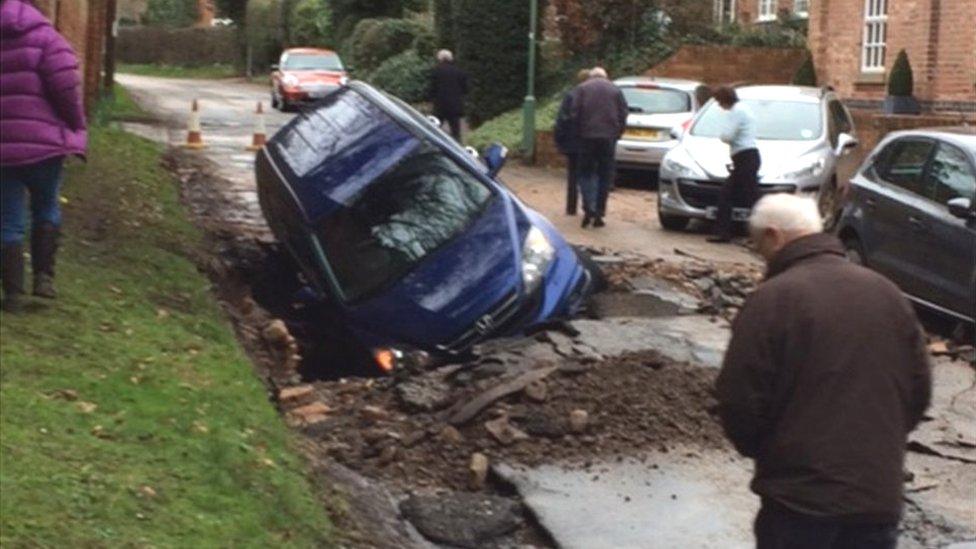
point(911, 215)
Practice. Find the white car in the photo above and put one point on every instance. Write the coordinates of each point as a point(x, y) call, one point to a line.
point(805, 138)
point(656, 105)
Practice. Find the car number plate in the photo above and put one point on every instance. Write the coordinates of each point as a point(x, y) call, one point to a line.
point(738, 214)
point(318, 94)
point(641, 133)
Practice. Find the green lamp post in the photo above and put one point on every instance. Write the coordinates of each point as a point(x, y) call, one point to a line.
point(528, 108)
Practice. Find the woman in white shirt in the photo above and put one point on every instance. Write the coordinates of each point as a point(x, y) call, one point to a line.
point(741, 187)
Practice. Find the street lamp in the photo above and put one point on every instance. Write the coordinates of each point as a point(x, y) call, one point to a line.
point(528, 108)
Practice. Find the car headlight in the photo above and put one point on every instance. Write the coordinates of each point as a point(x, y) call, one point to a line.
point(290, 80)
point(813, 168)
point(537, 255)
point(680, 164)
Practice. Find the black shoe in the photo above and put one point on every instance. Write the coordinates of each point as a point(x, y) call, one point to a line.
point(599, 222)
point(719, 239)
point(586, 221)
point(44, 247)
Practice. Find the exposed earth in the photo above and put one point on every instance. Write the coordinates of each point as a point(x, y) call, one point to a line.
point(597, 433)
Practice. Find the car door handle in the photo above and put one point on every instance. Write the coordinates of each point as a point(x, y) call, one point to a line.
point(916, 223)
point(870, 204)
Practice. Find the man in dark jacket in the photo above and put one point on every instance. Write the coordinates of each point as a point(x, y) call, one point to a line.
point(600, 112)
point(825, 376)
point(448, 86)
point(566, 137)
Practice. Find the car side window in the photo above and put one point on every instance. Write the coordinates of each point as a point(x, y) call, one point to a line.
point(906, 163)
point(951, 175)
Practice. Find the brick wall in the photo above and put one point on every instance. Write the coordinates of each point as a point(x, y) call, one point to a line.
point(872, 126)
point(728, 64)
point(938, 36)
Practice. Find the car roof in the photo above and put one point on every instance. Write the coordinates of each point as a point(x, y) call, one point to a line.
point(311, 51)
point(805, 94)
point(963, 136)
point(678, 83)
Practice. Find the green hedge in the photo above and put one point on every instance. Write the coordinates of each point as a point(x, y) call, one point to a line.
point(507, 127)
point(310, 24)
point(375, 40)
point(405, 75)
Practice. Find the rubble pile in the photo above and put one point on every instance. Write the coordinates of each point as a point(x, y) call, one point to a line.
point(443, 429)
point(721, 290)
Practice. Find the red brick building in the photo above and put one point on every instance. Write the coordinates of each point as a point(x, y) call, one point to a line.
point(854, 44)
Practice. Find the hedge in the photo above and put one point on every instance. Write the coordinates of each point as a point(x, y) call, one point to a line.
point(310, 24)
point(405, 75)
point(375, 40)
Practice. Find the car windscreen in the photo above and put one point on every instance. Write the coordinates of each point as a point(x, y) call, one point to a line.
point(417, 206)
point(311, 62)
point(775, 120)
point(656, 101)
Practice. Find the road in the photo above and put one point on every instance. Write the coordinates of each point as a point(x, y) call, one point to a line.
point(227, 119)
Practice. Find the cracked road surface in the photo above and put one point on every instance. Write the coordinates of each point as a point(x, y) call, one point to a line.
point(703, 487)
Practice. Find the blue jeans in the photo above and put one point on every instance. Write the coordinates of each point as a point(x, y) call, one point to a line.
point(595, 170)
point(42, 182)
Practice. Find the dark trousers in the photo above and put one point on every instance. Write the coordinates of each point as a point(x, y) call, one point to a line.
point(595, 171)
point(780, 528)
point(454, 123)
point(41, 183)
point(739, 190)
point(572, 190)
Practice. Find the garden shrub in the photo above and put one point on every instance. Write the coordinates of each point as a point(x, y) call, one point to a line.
point(805, 75)
point(310, 24)
point(376, 40)
point(901, 82)
point(405, 75)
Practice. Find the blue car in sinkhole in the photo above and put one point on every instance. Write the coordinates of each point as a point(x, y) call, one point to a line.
point(407, 235)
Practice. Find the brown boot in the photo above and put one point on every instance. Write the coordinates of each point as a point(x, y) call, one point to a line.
point(12, 273)
point(44, 246)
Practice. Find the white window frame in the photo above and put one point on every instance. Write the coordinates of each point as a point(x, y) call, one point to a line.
point(805, 11)
point(767, 10)
point(718, 5)
point(874, 41)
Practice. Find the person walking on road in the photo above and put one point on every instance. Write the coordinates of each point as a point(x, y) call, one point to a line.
point(567, 141)
point(448, 86)
point(743, 182)
point(600, 112)
point(42, 121)
point(825, 375)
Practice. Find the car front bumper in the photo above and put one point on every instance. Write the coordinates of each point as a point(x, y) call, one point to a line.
point(694, 198)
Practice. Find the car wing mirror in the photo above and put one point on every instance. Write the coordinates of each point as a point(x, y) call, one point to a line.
point(434, 121)
point(676, 131)
point(494, 158)
point(962, 208)
point(845, 142)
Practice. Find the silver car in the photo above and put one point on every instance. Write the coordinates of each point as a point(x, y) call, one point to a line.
point(656, 105)
point(805, 138)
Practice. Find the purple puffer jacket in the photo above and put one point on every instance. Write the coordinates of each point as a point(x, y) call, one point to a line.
point(41, 112)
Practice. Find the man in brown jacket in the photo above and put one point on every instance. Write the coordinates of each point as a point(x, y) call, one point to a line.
point(824, 378)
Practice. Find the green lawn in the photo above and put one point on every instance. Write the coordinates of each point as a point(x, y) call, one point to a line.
point(130, 417)
point(173, 71)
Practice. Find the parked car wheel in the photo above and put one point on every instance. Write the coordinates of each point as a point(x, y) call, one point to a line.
point(855, 252)
point(672, 222)
point(275, 104)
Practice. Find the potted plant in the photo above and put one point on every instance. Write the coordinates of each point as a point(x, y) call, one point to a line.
point(900, 85)
point(805, 75)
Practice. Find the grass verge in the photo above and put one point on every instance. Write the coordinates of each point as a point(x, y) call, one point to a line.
point(173, 71)
point(129, 415)
point(506, 128)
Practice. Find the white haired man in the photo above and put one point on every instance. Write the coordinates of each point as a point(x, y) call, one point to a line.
point(448, 86)
point(825, 376)
point(600, 114)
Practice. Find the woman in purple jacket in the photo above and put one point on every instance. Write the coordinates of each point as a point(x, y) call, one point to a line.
point(42, 121)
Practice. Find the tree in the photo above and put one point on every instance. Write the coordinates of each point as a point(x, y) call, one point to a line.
point(347, 13)
point(171, 13)
point(901, 83)
point(310, 24)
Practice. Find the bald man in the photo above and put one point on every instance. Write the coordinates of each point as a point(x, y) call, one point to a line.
point(825, 376)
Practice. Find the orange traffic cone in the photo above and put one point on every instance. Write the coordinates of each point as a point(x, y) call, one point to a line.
point(194, 135)
point(260, 131)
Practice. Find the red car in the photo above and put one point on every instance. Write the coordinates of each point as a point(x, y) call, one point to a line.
point(304, 75)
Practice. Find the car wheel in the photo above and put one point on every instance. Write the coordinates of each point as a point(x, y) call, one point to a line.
point(275, 104)
point(671, 222)
point(855, 252)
